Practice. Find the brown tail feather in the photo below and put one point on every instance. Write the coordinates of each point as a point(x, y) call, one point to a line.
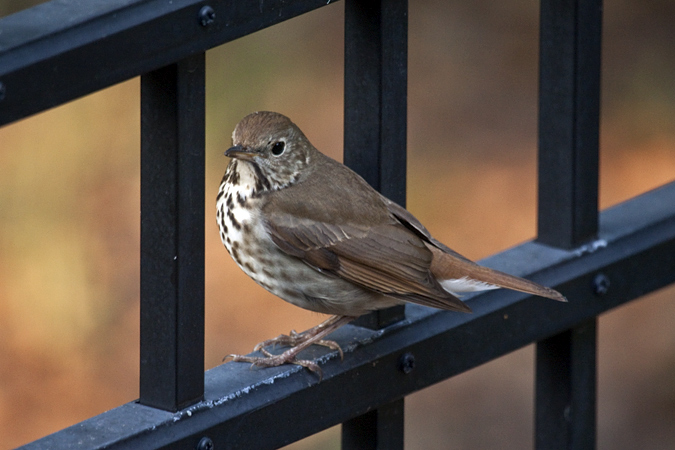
point(445, 266)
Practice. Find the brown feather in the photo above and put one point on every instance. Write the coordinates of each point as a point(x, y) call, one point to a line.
point(446, 266)
point(353, 232)
point(388, 259)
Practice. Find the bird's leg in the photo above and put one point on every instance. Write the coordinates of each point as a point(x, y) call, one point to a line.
point(294, 338)
point(299, 342)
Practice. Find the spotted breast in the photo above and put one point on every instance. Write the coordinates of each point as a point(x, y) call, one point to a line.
point(243, 193)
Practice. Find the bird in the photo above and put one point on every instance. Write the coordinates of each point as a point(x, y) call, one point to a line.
point(314, 233)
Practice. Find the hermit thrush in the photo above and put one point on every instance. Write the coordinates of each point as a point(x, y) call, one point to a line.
point(313, 232)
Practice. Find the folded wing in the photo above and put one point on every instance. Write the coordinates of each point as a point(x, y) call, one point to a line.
point(388, 258)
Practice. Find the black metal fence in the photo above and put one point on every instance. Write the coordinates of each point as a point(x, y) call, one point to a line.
point(61, 50)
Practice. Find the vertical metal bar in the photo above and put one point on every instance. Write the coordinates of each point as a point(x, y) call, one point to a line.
point(376, 55)
point(569, 114)
point(380, 429)
point(569, 111)
point(565, 415)
point(376, 77)
point(172, 235)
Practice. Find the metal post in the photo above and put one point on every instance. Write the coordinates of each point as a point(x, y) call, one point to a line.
point(380, 429)
point(172, 235)
point(565, 389)
point(376, 57)
point(569, 111)
point(569, 114)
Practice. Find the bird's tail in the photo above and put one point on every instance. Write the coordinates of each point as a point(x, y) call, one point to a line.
point(457, 275)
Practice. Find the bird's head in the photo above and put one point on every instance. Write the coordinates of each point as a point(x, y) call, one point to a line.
point(274, 145)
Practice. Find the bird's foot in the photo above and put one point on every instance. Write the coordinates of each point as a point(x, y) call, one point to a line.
point(293, 339)
point(270, 360)
point(298, 342)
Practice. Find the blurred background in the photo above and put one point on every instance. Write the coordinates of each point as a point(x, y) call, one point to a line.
point(69, 215)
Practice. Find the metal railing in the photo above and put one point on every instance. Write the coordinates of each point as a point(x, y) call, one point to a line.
point(58, 51)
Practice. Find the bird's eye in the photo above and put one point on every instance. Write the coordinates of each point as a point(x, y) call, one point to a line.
point(278, 148)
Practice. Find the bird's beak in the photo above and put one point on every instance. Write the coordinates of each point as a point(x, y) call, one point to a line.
point(240, 152)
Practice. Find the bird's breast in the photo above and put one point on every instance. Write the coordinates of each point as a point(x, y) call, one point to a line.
point(238, 212)
point(242, 230)
point(243, 233)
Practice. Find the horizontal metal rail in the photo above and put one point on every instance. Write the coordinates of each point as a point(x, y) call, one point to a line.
point(634, 255)
point(61, 50)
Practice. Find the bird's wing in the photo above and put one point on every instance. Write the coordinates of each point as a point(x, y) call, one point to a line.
point(387, 258)
point(411, 222)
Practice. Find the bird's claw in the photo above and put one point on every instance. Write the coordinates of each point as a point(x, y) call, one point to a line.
point(270, 360)
point(298, 342)
point(293, 339)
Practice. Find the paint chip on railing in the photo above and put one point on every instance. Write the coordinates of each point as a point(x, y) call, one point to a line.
point(591, 247)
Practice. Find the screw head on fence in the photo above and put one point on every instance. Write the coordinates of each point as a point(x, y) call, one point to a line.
point(205, 443)
point(406, 363)
point(206, 16)
point(601, 284)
